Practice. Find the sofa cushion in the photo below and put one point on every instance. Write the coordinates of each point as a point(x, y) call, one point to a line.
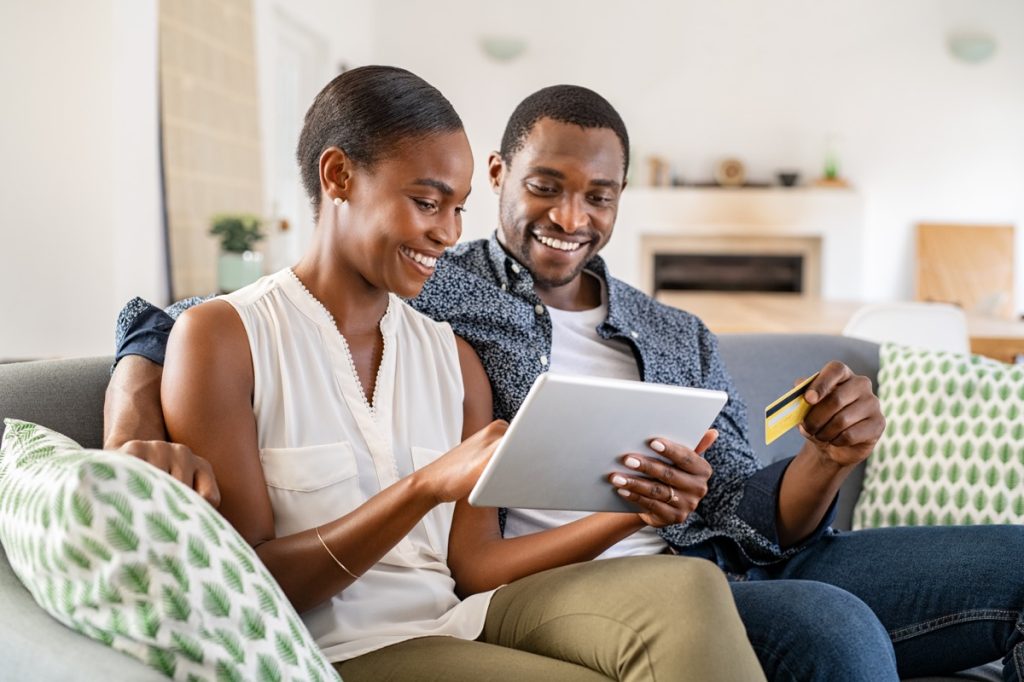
point(123, 553)
point(953, 448)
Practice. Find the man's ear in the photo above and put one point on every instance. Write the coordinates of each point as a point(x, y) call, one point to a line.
point(495, 171)
point(335, 174)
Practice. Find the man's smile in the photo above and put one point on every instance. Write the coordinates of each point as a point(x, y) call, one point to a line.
point(559, 244)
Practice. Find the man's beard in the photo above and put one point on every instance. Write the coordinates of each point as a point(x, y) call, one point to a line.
point(545, 282)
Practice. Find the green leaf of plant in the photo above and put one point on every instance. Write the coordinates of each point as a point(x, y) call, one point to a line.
point(121, 536)
point(173, 507)
point(253, 626)
point(97, 549)
point(81, 509)
point(312, 673)
point(102, 471)
point(197, 554)
point(163, 661)
point(187, 647)
point(119, 502)
point(267, 601)
point(216, 600)
point(232, 576)
point(230, 644)
point(148, 619)
point(176, 604)
point(174, 567)
point(108, 593)
point(76, 556)
point(285, 650)
point(268, 670)
point(209, 530)
point(136, 577)
point(226, 672)
point(161, 527)
point(139, 486)
point(243, 557)
point(117, 623)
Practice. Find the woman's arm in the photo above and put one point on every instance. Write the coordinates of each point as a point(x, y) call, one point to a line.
point(479, 558)
point(207, 404)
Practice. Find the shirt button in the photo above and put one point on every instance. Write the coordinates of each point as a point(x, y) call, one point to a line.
point(539, 309)
point(515, 268)
point(634, 334)
point(544, 360)
point(504, 287)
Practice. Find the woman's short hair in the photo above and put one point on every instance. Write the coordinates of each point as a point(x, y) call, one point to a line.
point(368, 112)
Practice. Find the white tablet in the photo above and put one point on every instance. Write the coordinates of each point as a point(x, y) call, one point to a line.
point(571, 433)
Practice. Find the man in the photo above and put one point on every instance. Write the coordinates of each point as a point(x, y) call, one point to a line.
point(817, 604)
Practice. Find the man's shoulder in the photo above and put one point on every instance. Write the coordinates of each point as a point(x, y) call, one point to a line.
point(462, 269)
point(644, 310)
point(471, 256)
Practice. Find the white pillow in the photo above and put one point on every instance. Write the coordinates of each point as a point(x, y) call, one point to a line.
point(121, 552)
point(953, 448)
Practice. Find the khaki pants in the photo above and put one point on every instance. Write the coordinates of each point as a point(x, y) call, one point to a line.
point(637, 619)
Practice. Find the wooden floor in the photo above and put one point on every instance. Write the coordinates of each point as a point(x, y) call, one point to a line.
point(739, 313)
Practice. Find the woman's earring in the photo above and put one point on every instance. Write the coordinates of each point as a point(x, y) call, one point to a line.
point(338, 201)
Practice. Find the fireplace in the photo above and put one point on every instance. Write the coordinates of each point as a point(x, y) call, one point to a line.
point(788, 265)
point(728, 272)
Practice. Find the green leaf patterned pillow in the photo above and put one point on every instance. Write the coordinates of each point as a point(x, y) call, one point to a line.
point(123, 553)
point(953, 448)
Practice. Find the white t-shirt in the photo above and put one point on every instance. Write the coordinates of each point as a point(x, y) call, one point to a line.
point(577, 348)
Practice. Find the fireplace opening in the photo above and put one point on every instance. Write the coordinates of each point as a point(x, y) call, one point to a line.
point(781, 273)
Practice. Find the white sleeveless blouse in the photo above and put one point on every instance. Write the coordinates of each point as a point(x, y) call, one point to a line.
point(325, 451)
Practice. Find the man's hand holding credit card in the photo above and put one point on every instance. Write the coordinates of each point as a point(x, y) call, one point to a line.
point(787, 411)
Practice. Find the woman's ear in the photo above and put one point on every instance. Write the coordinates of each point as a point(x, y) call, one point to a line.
point(335, 174)
point(495, 171)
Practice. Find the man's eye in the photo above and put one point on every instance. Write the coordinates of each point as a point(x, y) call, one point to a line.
point(540, 189)
point(601, 199)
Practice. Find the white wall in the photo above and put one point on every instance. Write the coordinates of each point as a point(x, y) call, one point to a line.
point(77, 181)
point(922, 136)
point(81, 229)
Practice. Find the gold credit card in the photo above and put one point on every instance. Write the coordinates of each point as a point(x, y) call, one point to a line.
point(786, 412)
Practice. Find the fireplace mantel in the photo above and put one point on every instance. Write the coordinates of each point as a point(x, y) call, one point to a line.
point(758, 217)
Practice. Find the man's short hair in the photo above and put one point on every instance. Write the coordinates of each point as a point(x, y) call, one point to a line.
point(566, 104)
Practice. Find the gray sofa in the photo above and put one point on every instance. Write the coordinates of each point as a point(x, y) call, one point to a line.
point(67, 395)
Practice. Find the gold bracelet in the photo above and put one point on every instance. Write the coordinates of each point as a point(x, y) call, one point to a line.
point(320, 537)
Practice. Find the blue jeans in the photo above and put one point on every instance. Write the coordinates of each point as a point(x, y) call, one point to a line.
point(878, 605)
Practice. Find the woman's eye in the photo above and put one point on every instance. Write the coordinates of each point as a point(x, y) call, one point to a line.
point(426, 206)
point(460, 210)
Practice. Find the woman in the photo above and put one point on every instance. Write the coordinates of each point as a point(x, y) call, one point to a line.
point(324, 404)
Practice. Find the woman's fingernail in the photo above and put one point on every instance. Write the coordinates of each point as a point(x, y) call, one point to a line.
point(619, 480)
point(623, 492)
point(657, 446)
point(632, 462)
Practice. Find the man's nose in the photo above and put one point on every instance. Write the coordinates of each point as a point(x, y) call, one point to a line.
point(570, 214)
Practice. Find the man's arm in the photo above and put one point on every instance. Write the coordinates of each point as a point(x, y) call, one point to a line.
point(133, 419)
point(131, 408)
point(841, 429)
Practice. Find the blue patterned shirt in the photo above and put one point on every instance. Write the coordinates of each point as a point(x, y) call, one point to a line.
point(489, 300)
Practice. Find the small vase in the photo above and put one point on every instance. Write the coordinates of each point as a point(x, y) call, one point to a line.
point(236, 270)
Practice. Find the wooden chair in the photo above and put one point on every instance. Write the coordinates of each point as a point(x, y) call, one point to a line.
point(968, 265)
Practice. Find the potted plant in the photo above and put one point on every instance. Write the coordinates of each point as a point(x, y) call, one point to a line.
point(238, 264)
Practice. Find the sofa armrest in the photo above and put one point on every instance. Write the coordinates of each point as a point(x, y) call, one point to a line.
point(64, 395)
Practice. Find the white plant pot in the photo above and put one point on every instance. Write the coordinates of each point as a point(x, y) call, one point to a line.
point(236, 270)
